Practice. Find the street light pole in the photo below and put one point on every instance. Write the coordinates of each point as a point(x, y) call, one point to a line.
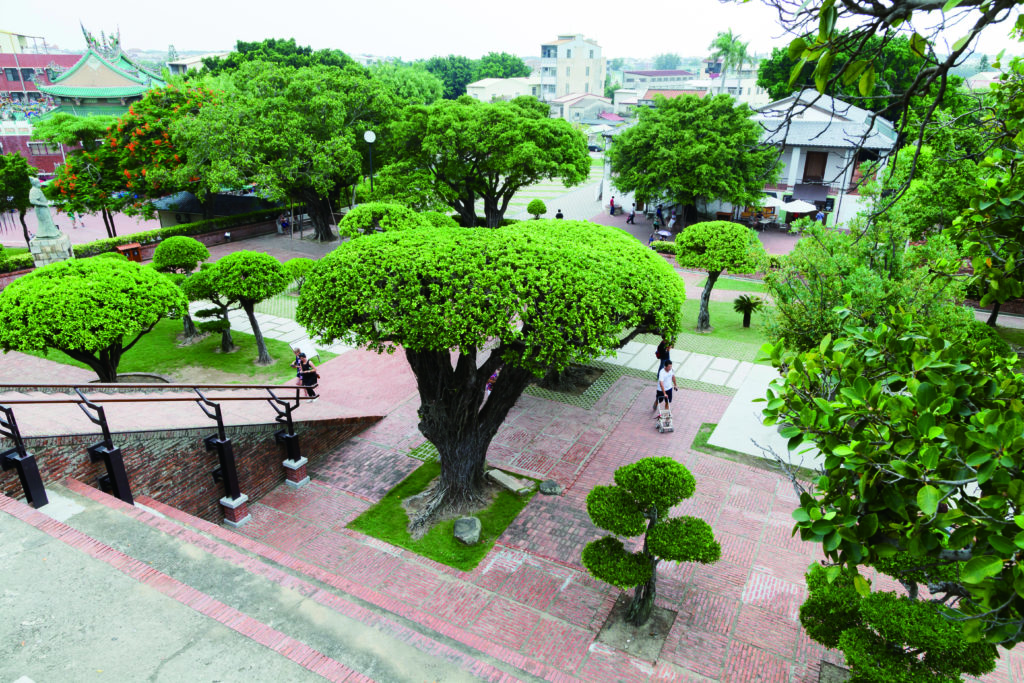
point(369, 136)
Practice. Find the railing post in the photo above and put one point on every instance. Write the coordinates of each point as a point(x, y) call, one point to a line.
point(234, 503)
point(20, 459)
point(116, 479)
point(294, 464)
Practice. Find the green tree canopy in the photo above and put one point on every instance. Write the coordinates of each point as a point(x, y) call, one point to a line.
point(667, 60)
point(455, 72)
point(295, 133)
point(467, 151)
point(14, 179)
point(691, 149)
point(94, 310)
point(538, 295)
point(409, 83)
point(717, 246)
point(639, 503)
point(249, 277)
point(896, 67)
point(69, 130)
point(179, 254)
point(732, 51)
point(500, 65)
point(536, 207)
point(920, 440)
point(379, 216)
point(276, 51)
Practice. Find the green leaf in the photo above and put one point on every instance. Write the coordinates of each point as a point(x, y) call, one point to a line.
point(794, 74)
point(822, 74)
point(801, 515)
point(926, 394)
point(862, 586)
point(796, 48)
point(928, 499)
point(866, 86)
point(980, 568)
point(1002, 545)
point(854, 71)
point(918, 45)
point(951, 4)
point(960, 43)
point(1019, 520)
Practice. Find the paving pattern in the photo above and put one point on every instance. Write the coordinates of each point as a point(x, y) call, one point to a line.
point(737, 619)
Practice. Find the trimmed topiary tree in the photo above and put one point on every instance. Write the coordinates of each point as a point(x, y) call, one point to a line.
point(250, 277)
point(200, 287)
point(717, 246)
point(536, 208)
point(746, 305)
point(94, 310)
point(297, 269)
point(439, 220)
point(373, 217)
point(639, 503)
point(180, 255)
point(889, 637)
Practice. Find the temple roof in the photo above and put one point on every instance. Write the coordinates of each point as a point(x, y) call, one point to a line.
point(104, 71)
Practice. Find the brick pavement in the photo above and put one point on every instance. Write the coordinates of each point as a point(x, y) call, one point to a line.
point(737, 619)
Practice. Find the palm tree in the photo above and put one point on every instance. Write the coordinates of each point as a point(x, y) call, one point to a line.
point(728, 47)
point(746, 305)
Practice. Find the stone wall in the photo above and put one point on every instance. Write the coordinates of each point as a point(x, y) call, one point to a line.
point(174, 466)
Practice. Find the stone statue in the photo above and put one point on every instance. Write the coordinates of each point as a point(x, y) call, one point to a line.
point(42, 206)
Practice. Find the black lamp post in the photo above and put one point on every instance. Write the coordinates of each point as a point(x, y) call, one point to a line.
point(370, 136)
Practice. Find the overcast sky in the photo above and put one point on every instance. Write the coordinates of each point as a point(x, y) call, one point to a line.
point(413, 29)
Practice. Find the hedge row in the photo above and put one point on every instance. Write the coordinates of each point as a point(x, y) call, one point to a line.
point(188, 229)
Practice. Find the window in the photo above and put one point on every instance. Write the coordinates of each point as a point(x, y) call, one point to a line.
point(12, 74)
point(588, 70)
point(28, 75)
point(43, 148)
point(568, 54)
point(591, 54)
point(567, 71)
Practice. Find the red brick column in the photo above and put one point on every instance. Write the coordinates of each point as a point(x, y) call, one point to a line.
point(295, 472)
point(236, 512)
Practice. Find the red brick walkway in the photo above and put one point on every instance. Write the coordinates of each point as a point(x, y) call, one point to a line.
point(737, 619)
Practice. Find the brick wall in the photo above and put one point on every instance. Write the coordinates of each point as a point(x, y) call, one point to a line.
point(174, 467)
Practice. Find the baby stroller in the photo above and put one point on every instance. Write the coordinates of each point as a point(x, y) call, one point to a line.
point(664, 421)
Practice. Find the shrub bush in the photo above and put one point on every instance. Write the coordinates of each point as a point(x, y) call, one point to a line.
point(380, 216)
point(664, 247)
point(536, 208)
point(439, 220)
point(16, 262)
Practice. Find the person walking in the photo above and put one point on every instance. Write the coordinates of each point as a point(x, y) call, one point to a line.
point(295, 364)
point(666, 384)
point(611, 205)
point(632, 215)
point(559, 214)
point(310, 377)
point(663, 353)
point(660, 215)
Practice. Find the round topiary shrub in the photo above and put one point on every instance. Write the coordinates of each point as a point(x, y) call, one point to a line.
point(536, 208)
point(439, 220)
point(179, 254)
point(373, 217)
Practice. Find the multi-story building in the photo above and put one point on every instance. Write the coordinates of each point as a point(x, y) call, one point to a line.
point(25, 61)
point(665, 79)
point(491, 89)
point(570, 64)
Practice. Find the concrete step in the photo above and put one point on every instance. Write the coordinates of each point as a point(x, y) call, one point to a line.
point(366, 631)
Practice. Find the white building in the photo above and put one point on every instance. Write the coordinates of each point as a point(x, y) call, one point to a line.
point(570, 64)
point(491, 89)
point(579, 107)
point(666, 79)
point(824, 141)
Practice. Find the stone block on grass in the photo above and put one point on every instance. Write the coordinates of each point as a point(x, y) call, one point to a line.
point(467, 530)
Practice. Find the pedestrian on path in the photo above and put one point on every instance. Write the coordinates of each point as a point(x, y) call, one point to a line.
point(559, 214)
point(632, 215)
point(661, 216)
point(310, 376)
point(295, 364)
point(611, 205)
point(666, 383)
point(663, 353)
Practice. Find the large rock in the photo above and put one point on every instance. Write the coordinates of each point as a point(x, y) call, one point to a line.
point(467, 530)
point(517, 486)
point(550, 487)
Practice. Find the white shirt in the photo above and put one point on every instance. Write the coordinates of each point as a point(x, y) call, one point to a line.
point(666, 379)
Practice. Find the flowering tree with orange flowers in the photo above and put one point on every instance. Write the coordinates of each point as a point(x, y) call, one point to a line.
point(150, 163)
point(89, 182)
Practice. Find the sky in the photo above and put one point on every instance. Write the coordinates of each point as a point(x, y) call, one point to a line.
point(413, 29)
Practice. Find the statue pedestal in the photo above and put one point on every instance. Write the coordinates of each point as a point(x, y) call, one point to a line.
point(47, 250)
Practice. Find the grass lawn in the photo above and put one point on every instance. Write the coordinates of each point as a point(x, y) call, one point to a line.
point(388, 521)
point(1011, 335)
point(159, 352)
point(728, 338)
point(598, 161)
point(734, 285)
point(13, 251)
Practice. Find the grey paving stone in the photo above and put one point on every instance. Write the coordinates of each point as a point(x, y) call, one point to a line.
point(715, 377)
point(724, 364)
point(694, 366)
point(738, 377)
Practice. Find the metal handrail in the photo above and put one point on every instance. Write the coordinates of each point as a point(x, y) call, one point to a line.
point(77, 388)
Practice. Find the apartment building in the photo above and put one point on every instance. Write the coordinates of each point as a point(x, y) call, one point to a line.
point(570, 64)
